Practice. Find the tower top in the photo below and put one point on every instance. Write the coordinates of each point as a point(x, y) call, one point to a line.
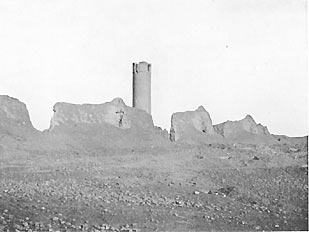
point(141, 67)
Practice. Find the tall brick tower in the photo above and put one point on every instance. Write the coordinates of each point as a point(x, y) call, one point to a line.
point(142, 86)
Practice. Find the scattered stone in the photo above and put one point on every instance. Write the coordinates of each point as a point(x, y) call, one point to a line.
point(292, 149)
point(225, 191)
point(225, 157)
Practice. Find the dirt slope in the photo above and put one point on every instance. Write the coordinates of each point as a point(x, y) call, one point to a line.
point(184, 188)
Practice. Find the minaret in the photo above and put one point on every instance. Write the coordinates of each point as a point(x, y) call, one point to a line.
point(142, 86)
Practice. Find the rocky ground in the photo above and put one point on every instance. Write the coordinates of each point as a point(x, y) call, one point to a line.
point(175, 188)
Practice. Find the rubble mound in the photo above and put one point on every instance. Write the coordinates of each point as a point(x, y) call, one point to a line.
point(191, 123)
point(243, 130)
point(114, 113)
point(230, 128)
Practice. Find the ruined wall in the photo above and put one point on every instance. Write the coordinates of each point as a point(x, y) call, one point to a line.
point(188, 123)
point(114, 113)
point(13, 112)
point(142, 86)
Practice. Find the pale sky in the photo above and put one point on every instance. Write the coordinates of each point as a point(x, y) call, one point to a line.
point(234, 57)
